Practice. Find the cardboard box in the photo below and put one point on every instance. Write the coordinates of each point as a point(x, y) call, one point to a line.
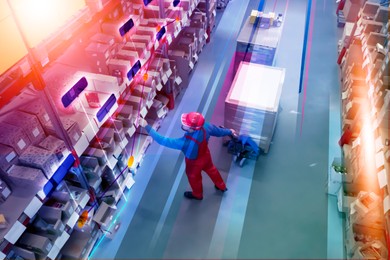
point(15, 137)
point(72, 128)
point(36, 108)
point(40, 158)
point(146, 92)
point(97, 153)
point(36, 243)
point(119, 133)
point(125, 115)
point(90, 164)
point(22, 176)
point(98, 53)
point(29, 123)
point(130, 56)
point(118, 67)
point(5, 191)
point(138, 47)
point(7, 157)
point(54, 145)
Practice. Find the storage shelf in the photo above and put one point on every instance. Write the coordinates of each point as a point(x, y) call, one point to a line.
point(366, 157)
point(27, 201)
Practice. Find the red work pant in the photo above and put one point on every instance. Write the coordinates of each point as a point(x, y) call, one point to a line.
point(194, 170)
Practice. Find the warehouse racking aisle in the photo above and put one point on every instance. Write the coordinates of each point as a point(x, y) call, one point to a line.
point(279, 202)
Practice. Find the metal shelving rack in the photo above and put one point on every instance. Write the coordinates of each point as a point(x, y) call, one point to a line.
point(365, 111)
point(81, 171)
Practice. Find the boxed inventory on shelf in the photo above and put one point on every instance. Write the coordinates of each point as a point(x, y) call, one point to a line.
point(7, 157)
point(15, 137)
point(28, 122)
point(39, 158)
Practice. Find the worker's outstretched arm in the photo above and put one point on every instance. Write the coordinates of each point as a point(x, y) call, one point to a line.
point(174, 143)
point(214, 130)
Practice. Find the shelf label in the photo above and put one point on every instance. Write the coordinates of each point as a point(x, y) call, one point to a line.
point(169, 38)
point(386, 204)
point(33, 207)
point(159, 86)
point(370, 91)
point(356, 142)
point(21, 144)
point(178, 80)
point(15, 232)
point(191, 65)
point(368, 78)
point(382, 178)
point(378, 144)
point(169, 72)
point(366, 53)
point(164, 79)
point(205, 36)
point(73, 219)
point(344, 95)
point(380, 159)
point(373, 112)
point(365, 63)
point(348, 106)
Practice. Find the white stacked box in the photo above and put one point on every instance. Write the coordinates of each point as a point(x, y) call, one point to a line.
point(252, 104)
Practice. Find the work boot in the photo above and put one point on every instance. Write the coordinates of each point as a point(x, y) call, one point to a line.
point(220, 189)
point(188, 194)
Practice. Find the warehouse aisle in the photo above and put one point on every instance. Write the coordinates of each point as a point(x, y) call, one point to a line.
point(288, 206)
point(276, 207)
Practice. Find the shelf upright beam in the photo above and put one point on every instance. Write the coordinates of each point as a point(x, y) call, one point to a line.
point(40, 85)
point(162, 9)
point(305, 39)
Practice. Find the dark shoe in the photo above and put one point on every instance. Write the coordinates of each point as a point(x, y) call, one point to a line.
point(220, 189)
point(188, 194)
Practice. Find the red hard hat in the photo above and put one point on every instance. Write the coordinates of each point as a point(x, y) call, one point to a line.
point(193, 120)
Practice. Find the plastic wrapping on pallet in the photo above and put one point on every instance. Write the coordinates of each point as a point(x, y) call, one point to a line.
point(252, 104)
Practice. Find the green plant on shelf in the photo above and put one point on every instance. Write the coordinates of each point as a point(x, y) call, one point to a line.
point(340, 169)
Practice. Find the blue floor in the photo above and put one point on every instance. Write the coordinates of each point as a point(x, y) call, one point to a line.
point(276, 207)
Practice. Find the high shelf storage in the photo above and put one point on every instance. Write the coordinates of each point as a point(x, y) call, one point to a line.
point(364, 194)
point(80, 94)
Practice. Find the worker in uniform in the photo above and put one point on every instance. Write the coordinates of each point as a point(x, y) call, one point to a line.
point(194, 145)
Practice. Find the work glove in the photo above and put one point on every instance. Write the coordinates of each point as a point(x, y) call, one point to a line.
point(234, 133)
